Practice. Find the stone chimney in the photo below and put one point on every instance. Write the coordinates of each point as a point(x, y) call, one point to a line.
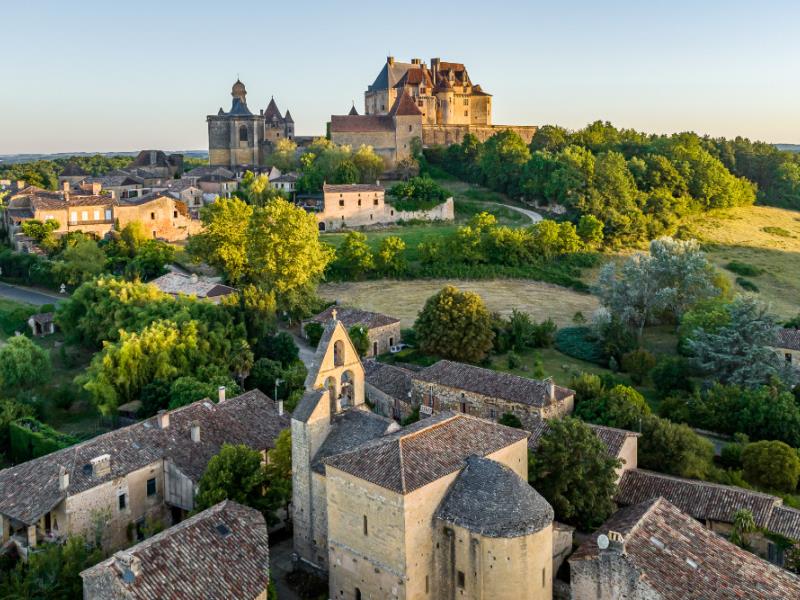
point(551, 388)
point(194, 278)
point(195, 432)
point(63, 479)
point(221, 393)
point(415, 61)
point(390, 60)
point(65, 186)
point(101, 465)
point(163, 419)
point(280, 408)
point(96, 188)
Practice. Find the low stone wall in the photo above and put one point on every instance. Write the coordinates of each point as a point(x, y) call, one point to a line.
point(446, 135)
point(441, 212)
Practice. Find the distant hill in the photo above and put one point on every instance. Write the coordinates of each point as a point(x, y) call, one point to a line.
point(9, 159)
point(788, 147)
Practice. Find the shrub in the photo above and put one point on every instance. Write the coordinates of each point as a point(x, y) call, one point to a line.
point(578, 342)
point(418, 193)
point(671, 374)
point(744, 269)
point(514, 361)
point(747, 284)
point(31, 439)
point(544, 334)
point(638, 363)
point(777, 231)
point(731, 454)
point(772, 465)
point(622, 406)
point(314, 332)
point(674, 449)
point(510, 420)
point(587, 386)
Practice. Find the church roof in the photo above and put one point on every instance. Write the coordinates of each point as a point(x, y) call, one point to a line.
point(490, 499)
point(239, 108)
point(272, 113)
point(404, 106)
point(349, 430)
point(353, 112)
point(288, 118)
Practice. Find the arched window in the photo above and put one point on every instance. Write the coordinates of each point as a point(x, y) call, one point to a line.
point(242, 133)
point(338, 353)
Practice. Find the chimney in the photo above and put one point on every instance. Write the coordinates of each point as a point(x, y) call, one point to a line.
point(163, 419)
point(390, 60)
point(129, 565)
point(551, 388)
point(221, 393)
point(415, 61)
point(193, 277)
point(101, 465)
point(96, 187)
point(63, 479)
point(195, 432)
point(65, 186)
point(280, 408)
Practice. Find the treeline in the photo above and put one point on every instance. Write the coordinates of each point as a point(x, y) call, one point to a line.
point(44, 173)
point(638, 185)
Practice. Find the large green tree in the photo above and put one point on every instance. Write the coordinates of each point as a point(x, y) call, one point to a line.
point(223, 241)
point(771, 465)
point(22, 363)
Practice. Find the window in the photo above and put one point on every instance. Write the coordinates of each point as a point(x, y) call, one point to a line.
point(358, 594)
point(544, 573)
point(464, 407)
point(466, 102)
point(411, 128)
point(152, 216)
point(466, 113)
point(419, 102)
point(174, 214)
point(242, 133)
point(492, 413)
point(426, 584)
point(108, 214)
point(375, 202)
point(383, 107)
point(122, 501)
point(366, 529)
point(359, 201)
point(151, 487)
point(84, 215)
point(341, 202)
point(73, 217)
point(461, 579)
point(374, 348)
point(788, 357)
point(391, 341)
point(96, 215)
point(370, 216)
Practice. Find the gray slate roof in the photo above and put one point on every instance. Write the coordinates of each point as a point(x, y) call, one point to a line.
point(218, 554)
point(202, 287)
point(31, 489)
point(390, 379)
point(490, 499)
point(789, 339)
point(349, 430)
point(354, 316)
point(489, 383)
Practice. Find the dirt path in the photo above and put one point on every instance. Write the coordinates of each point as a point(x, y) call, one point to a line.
point(404, 299)
point(531, 214)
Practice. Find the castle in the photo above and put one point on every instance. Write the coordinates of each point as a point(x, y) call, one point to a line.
point(437, 509)
point(239, 139)
point(438, 105)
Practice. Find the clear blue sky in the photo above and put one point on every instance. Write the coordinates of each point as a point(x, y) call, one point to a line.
point(87, 75)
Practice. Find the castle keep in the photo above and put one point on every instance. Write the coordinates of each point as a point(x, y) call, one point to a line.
point(240, 139)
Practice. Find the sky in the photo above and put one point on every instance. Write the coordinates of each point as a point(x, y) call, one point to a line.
point(123, 76)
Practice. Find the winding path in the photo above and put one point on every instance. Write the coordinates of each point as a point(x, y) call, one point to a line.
point(531, 214)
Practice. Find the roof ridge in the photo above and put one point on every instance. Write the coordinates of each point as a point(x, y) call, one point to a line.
point(402, 470)
point(439, 423)
point(700, 482)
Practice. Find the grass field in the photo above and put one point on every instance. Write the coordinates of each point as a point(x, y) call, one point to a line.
point(757, 235)
point(404, 299)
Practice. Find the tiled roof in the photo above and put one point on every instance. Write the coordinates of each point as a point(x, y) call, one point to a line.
point(272, 113)
point(682, 560)
point(361, 123)
point(218, 554)
point(389, 75)
point(353, 316)
point(492, 384)
point(613, 438)
point(785, 521)
point(391, 380)
point(349, 430)
point(405, 106)
point(425, 451)
point(151, 158)
point(31, 489)
point(43, 318)
point(202, 287)
point(353, 112)
point(46, 200)
point(789, 339)
point(490, 499)
point(700, 499)
point(200, 171)
point(415, 77)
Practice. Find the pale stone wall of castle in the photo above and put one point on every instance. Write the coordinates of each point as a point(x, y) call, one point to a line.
point(445, 135)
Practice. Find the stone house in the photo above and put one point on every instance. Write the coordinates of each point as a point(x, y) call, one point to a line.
point(218, 554)
point(215, 184)
point(653, 551)
point(715, 505)
point(120, 482)
point(438, 509)
point(202, 288)
point(388, 389)
point(788, 346)
point(458, 387)
point(383, 331)
point(42, 324)
point(163, 216)
point(187, 192)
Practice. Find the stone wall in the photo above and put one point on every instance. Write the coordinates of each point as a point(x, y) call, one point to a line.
point(381, 339)
point(608, 577)
point(446, 135)
point(441, 212)
point(386, 405)
point(163, 217)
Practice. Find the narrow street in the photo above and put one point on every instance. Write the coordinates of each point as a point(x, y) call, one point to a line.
point(28, 295)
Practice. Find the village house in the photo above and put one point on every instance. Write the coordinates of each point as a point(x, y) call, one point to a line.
point(388, 389)
point(188, 193)
point(135, 477)
point(163, 217)
point(653, 551)
point(459, 387)
point(202, 288)
point(715, 505)
point(221, 553)
point(788, 346)
point(438, 509)
point(383, 331)
point(42, 324)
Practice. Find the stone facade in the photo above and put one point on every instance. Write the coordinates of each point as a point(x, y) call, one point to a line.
point(788, 346)
point(446, 135)
point(383, 331)
point(163, 217)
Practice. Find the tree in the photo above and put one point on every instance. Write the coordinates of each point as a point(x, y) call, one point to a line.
point(590, 230)
point(390, 259)
point(502, 159)
point(236, 473)
point(279, 347)
point(638, 363)
point(455, 325)
point(510, 420)
point(222, 243)
point(284, 155)
point(23, 363)
point(279, 471)
point(771, 465)
point(571, 468)
point(359, 335)
point(675, 449)
point(369, 165)
point(134, 236)
point(740, 351)
point(587, 386)
point(42, 232)
point(355, 256)
point(630, 293)
point(80, 262)
point(621, 406)
point(743, 525)
point(187, 389)
point(264, 374)
point(150, 260)
point(314, 333)
point(671, 374)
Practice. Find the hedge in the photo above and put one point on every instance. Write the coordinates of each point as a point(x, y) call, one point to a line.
point(27, 269)
point(577, 342)
point(31, 439)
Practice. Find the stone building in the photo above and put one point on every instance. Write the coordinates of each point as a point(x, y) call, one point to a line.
point(162, 216)
point(438, 509)
point(130, 478)
point(489, 394)
point(202, 288)
point(383, 331)
point(239, 139)
point(715, 505)
point(788, 346)
point(388, 389)
point(653, 551)
point(218, 554)
point(157, 163)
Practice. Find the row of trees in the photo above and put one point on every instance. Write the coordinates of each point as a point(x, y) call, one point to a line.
point(44, 173)
point(638, 185)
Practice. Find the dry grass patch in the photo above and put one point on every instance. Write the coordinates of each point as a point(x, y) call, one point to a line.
point(404, 299)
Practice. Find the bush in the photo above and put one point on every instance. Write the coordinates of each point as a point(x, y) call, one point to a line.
point(31, 439)
point(578, 342)
point(731, 454)
point(674, 449)
point(621, 406)
point(514, 361)
point(671, 374)
point(314, 332)
point(771, 465)
point(747, 284)
point(418, 193)
point(544, 334)
point(587, 386)
point(777, 231)
point(510, 420)
point(638, 363)
point(744, 269)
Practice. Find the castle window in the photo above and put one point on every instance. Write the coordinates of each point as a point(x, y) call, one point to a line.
point(366, 529)
point(411, 128)
point(466, 102)
point(466, 113)
point(461, 579)
point(174, 214)
point(242, 133)
point(341, 202)
point(152, 216)
point(375, 202)
point(359, 201)
point(419, 102)
point(383, 107)
point(544, 574)
point(426, 584)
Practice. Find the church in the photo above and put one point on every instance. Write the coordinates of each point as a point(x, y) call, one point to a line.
point(239, 139)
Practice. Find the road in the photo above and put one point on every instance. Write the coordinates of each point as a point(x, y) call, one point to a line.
point(28, 295)
point(306, 352)
point(531, 214)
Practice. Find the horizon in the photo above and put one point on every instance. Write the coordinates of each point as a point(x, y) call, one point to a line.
point(718, 70)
